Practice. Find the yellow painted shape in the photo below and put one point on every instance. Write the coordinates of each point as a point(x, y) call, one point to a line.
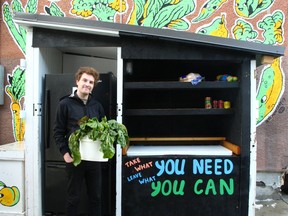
point(275, 90)
point(221, 30)
point(9, 196)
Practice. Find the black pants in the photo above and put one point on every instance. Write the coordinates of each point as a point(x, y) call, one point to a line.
point(92, 174)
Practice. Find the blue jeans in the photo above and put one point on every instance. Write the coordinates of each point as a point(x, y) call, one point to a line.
point(91, 173)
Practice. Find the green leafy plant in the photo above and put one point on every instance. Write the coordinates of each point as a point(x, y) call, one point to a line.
point(108, 132)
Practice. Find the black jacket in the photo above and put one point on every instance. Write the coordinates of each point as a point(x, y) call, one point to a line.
point(70, 110)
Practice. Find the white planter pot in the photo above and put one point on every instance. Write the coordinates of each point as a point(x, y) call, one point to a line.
point(90, 150)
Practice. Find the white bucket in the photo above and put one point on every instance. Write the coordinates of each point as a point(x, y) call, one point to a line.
point(90, 150)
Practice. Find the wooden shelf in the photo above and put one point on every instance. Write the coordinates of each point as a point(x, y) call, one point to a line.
point(139, 139)
point(181, 85)
point(164, 112)
point(231, 146)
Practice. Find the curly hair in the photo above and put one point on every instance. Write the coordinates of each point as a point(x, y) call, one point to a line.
point(88, 70)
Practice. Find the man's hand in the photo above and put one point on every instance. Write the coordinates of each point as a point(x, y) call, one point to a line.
point(67, 158)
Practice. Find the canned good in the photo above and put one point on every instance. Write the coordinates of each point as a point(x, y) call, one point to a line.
point(215, 104)
point(221, 104)
point(208, 103)
point(227, 104)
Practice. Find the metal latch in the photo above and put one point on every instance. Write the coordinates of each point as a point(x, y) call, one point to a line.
point(37, 109)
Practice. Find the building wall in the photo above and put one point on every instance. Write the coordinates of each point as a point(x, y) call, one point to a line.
point(262, 23)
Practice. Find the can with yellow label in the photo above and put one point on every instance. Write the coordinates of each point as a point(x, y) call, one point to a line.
point(227, 104)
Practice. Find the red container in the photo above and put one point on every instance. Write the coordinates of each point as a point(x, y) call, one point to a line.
point(215, 104)
point(221, 104)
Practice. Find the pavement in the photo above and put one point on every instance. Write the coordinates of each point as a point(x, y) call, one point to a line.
point(271, 202)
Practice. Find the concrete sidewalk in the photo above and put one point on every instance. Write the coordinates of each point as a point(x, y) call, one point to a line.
point(271, 202)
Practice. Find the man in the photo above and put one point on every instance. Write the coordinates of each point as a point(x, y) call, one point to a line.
point(70, 110)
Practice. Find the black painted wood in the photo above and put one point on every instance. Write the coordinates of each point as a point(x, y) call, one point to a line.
point(171, 185)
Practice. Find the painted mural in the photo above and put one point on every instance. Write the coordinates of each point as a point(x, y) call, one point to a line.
point(250, 9)
point(270, 91)
point(177, 15)
point(18, 33)
point(54, 10)
point(9, 196)
point(16, 92)
point(216, 28)
point(16, 87)
point(102, 10)
point(208, 9)
point(243, 30)
point(161, 14)
point(272, 28)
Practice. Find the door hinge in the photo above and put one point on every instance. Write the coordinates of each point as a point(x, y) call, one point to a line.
point(37, 109)
point(119, 110)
